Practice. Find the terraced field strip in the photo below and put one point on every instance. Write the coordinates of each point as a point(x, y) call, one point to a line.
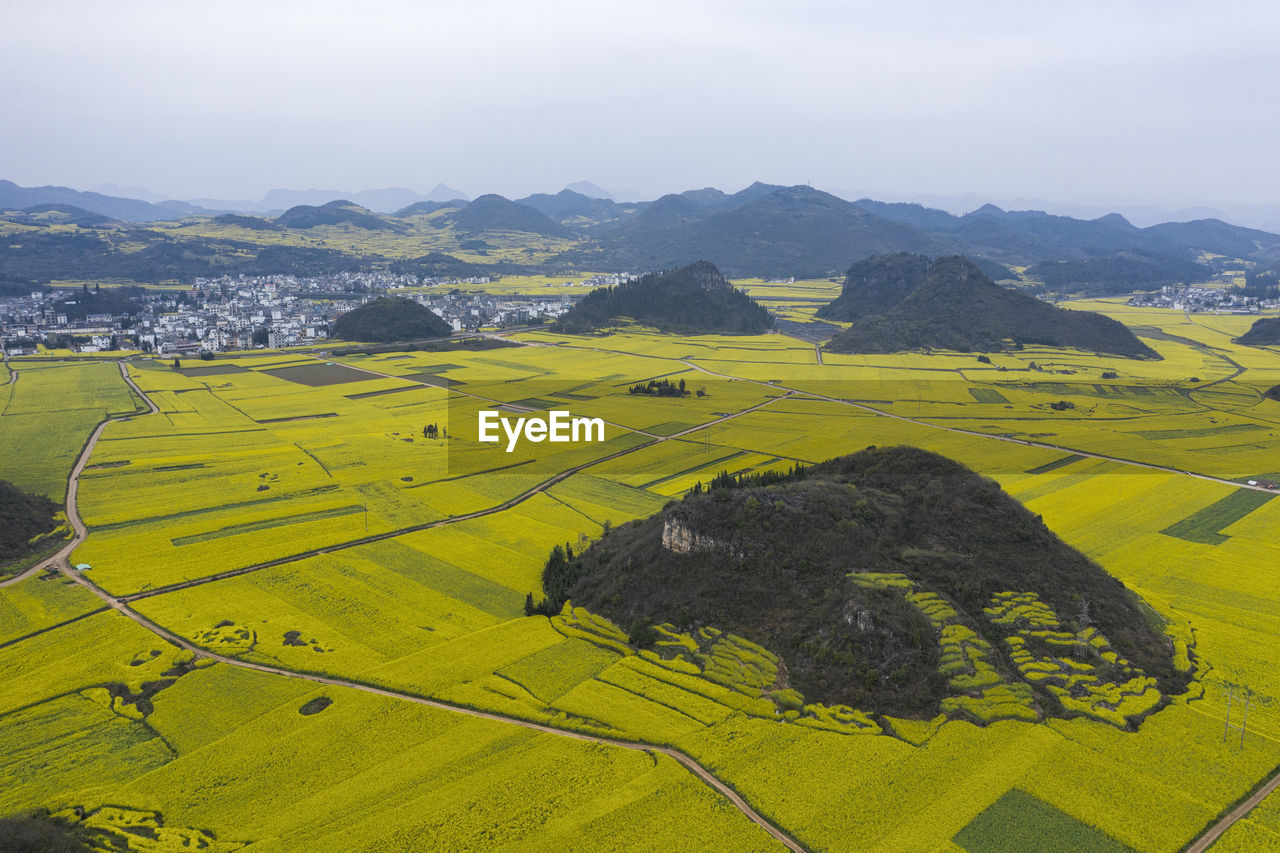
point(1205, 526)
point(974, 433)
point(454, 519)
point(1055, 464)
point(452, 386)
point(73, 516)
point(59, 559)
point(932, 425)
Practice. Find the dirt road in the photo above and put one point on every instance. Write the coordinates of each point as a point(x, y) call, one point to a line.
point(59, 561)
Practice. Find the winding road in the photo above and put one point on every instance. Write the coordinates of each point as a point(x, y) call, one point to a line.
point(60, 559)
point(60, 562)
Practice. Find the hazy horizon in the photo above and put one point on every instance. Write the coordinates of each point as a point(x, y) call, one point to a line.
point(1163, 105)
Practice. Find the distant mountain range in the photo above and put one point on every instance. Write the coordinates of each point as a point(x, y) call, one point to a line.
point(763, 230)
point(151, 209)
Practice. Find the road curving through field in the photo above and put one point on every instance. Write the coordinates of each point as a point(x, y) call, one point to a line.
point(60, 562)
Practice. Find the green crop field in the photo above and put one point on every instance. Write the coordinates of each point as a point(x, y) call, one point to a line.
point(290, 513)
point(1018, 822)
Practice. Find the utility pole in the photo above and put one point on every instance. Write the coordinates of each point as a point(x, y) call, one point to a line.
point(1083, 647)
point(1244, 717)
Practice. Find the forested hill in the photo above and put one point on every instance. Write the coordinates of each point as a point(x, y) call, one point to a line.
point(23, 517)
point(904, 303)
point(1264, 332)
point(389, 319)
point(694, 299)
point(768, 559)
point(876, 285)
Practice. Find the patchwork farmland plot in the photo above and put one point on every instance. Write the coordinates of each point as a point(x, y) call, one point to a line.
point(239, 469)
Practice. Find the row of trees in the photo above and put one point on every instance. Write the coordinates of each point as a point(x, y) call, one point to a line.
point(662, 388)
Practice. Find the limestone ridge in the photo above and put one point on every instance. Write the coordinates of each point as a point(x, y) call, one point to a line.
point(694, 299)
point(878, 579)
point(389, 319)
point(904, 302)
point(1264, 332)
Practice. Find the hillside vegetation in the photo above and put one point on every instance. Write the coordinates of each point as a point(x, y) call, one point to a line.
point(1264, 332)
point(903, 302)
point(23, 517)
point(334, 213)
point(794, 563)
point(389, 319)
point(1118, 272)
point(695, 299)
point(54, 233)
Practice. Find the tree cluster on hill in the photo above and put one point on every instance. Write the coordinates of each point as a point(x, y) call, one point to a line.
point(23, 517)
point(1264, 332)
point(43, 256)
point(762, 230)
point(875, 285)
point(755, 479)
point(1262, 284)
point(339, 212)
point(390, 319)
point(113, 301)
point(492, 212)
point(39, 831)
point(10, 288)
point(694, 299)
point(1118, 272)
point(904, 302)
point(768, 559)
point(253, 223)
point(439, 265)
point(660, 388)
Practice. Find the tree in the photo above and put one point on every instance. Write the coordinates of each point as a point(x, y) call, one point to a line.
point(261, 336)
point(177, 364)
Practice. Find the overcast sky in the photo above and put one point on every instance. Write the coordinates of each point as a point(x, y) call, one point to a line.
point(1168, 102)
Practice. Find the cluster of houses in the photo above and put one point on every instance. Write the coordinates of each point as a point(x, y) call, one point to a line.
point(1204, 300)
point(244, 312)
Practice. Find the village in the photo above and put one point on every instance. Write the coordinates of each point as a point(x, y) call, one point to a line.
point(1203, 300)
point(241, 312)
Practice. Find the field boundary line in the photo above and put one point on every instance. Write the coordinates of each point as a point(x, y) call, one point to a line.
point(974, 433)
point(1215, 830)
point(80, 533)
point(443, 522)
point(61, 557)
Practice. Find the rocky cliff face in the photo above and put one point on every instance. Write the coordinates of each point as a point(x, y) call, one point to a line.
point(679, 538)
